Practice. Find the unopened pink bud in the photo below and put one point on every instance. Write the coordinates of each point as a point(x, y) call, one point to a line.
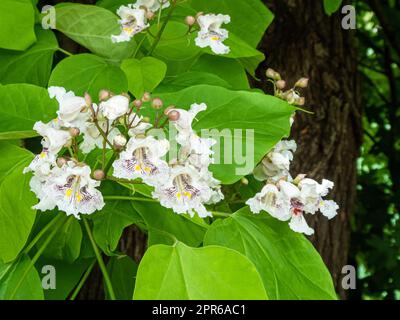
point(281, 84)
point(74, 132)
point(190, 20)
point(157, 103)
point(88, 99)
point(302, 83)
point(146, 97)
point(99, 175)
point(104, 95)
point(173, 115)
point(61, 161)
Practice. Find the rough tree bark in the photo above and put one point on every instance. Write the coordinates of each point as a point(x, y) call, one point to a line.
point(304, 41)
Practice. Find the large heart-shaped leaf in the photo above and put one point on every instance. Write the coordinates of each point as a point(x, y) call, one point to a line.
point(15, 285)
point(16, 200)
point(122, 272)
point(21, 105)
point(31, 66)
point(241, 119)
point(143, 75)
point(88, 73)
point(180, 272)
point(17, 19)
point(92, 27)
point(289, 265)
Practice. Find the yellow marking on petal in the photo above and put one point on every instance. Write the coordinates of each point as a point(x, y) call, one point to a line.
point(42, 155)
point(179, 195)
point(138, 167)
point(68, 193)
point(215, 38)
point(128, 30)
point(188, 194)
point(147, 169)
point(78, 196)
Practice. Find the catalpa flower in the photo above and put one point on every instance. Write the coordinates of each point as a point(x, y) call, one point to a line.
point(114, 107)
point(152, 5)
point(53, 137)
point(211, 34)
point(138, 127)
point(184, 191)
point(73, 111)
point(72, 190)
point(133, 20)
point(287, 201)
point(142, 159)
point(92, 137)
point(275, 165)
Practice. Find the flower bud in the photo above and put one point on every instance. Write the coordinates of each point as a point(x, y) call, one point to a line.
point(88, 99)
point(137, 103)
point(302, 83)
point(74, 132)
point(173, 115)
point(168, 109)
point(244, 181)
point(281, 84)
point(301, 101)
point(99, 175)
point(190, 20)
point(61, 161)
point(149, 14)
point(271, 73)
point(145, 119)
point(104, 95)
point(146, 97)
point(119, 141)
point(157, 103)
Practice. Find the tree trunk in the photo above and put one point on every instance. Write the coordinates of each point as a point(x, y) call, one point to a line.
point(304, 41)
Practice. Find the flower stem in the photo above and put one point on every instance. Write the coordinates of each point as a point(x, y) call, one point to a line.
point(160, 32)
point(123, 180)
point(102, 266)
point(220, 214)
point(82, 281)
point(129, 198)
point(37, 256)
point(65, 52)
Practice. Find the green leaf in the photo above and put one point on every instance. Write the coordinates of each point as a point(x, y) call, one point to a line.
point(16, 200)
point(165, 226)
point(181, 273)
point(122, 271)
point(21, 105)
point(110, 222)
point(10, 275)
point(229, 70)
point(143, 75)
point(249, 19)
point(88, 73)
point(67, 276)
point(31, 66)
point(112, 5)
point(92, 27)
point(288, 263)
point(17, 19)
point(331, 6)
point(265, 116)
point(66, 244)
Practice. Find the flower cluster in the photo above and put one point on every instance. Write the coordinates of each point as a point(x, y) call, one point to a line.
point(283, 197)
point(134, 18)
point(60, 180)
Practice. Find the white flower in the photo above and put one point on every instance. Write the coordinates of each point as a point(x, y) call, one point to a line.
point(211, 34)
point(133, 20)
point(37, 182)
point(152, 5)
point(184, 191)
point(115, 107)
point(286, 201)
point(53, 139)
point(92, 137)
point(119, 140)
point(184, 123)
point(142, 159)
point(137, 125)
point(41, 163)
point(276, 163)
point(72, 190)
point(73, 111)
